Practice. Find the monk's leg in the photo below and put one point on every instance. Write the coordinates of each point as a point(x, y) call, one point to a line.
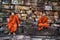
point(9, 28)
point(40, 26)
point(46, 25)
point(14, 29)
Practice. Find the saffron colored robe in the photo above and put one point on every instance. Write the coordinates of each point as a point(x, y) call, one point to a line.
point(43, 22)
point(13, 23)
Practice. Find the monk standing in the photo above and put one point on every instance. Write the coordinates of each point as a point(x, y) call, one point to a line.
point(43, 22)
point(13, 23)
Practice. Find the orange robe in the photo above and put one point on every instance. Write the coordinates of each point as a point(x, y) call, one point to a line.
point(13, 23)
point(43, 22)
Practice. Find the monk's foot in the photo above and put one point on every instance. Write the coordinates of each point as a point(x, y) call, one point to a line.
point(9, 34)
point(14, 33)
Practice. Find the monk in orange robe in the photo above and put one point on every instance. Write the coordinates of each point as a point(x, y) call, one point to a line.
point(43, 22)
point(13, 23)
